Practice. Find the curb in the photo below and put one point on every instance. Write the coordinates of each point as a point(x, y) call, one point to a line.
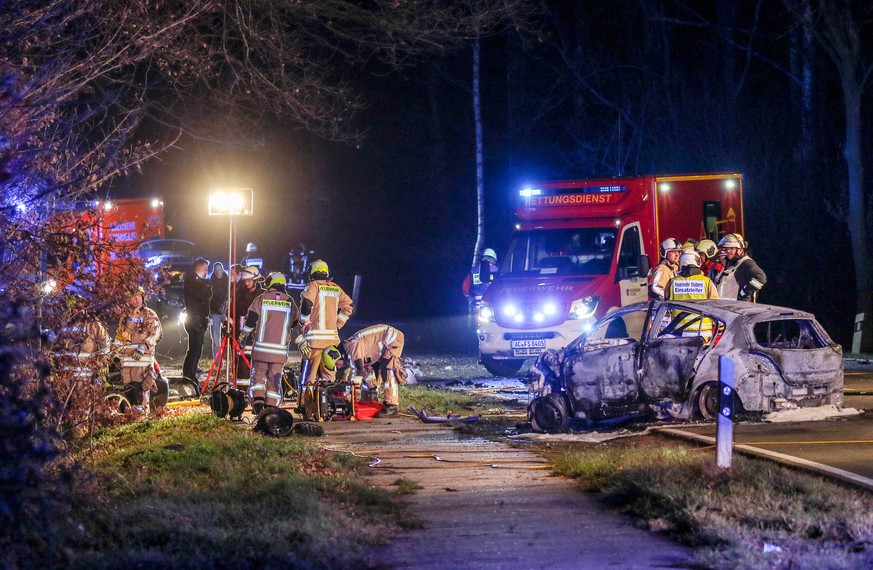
point(819, 468)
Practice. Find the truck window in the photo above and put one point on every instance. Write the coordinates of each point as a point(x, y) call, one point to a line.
point(575, 251)
point(629, 255)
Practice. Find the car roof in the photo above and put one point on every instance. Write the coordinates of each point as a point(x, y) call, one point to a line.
point(727, 310)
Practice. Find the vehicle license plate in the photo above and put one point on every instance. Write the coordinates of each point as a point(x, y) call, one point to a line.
point(526, 351)
point(540, 343)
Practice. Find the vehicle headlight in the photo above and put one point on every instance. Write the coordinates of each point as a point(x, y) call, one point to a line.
point(509, 310)
point(583, 308)
point(550, 309)
point(486, 314)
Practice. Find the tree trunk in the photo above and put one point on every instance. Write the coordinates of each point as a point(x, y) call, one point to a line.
point(480, 174)
point(856, 218)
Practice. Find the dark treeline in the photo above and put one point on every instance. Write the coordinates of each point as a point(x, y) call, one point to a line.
point(589, 89)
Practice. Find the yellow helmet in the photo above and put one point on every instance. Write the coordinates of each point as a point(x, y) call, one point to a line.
point(318, 266)
point(329, 357)
point(708, 248)
point(276, 278)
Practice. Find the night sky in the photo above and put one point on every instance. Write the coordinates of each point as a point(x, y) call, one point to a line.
point(592, 92)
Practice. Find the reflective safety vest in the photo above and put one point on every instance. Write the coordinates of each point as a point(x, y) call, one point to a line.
point(690, 288)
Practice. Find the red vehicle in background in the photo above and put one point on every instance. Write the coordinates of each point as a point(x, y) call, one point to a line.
point(584, 247)
point(126, 224)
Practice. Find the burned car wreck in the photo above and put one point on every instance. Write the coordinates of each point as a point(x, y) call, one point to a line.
point(660, 359)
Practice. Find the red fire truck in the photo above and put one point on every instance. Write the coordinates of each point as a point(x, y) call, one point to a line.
point(583, 247)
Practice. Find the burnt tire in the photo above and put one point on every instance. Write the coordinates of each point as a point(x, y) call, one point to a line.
point(550, 413)
point(309, 429)
point(706, 402)
point(502, 368)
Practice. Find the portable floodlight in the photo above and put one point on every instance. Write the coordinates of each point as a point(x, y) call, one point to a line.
point(230, 202)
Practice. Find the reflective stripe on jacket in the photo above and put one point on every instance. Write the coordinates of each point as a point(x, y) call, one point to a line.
point(331, 308)
point(271, 317)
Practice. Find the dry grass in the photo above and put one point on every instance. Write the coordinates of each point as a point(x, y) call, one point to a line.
point(757, 515)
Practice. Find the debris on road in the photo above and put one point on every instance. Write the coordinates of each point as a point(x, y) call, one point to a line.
point(809, 414)
point(428, 419)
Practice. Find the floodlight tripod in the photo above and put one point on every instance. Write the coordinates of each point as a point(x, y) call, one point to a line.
point(228, 341)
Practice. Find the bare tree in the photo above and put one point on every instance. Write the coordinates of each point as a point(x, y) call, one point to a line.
point(839, 27)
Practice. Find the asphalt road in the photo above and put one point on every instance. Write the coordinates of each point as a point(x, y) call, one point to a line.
point(844, 443)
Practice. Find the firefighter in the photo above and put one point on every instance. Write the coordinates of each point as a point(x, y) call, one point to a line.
point(475, 284)
point(270, 319)
point(82, 344)
point(252, 256)
point(710, 265)
point(690, 283)
point(375, 354)
point(667, 269)
point(246, 291)
point(741, 279)
point(324, 309)
point(139, 330)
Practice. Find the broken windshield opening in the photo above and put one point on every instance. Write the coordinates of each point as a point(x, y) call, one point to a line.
point(575, 251)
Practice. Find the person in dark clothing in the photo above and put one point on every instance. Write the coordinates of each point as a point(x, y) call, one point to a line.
point(196, 294)
point(248, 288)
point(217, 312)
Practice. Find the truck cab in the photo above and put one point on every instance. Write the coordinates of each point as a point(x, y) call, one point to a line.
point(584, 247)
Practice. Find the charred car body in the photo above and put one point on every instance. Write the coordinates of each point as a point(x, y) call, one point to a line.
point(662, 357)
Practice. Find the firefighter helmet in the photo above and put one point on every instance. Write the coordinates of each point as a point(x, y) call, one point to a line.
point(249, 272)
point(708, 248)
point(276, 278)
point(318, 266)
point(489, 254)
point(669, 244)
point(691, 258)
point(689, 243)
point(329, 357)
point(732, 240)
point(251, 247)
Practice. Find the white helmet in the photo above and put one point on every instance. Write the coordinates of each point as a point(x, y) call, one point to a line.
point(669, 244)
point(732, 240)
point(708, 248)
point(250, 272)
point(689, 258)
point(489, 253)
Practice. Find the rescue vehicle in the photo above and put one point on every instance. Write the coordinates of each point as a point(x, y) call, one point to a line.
point(584, 247)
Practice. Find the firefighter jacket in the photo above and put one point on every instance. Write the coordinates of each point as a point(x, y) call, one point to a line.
point(712, 269)
point(661, 276)
point(270, 320)
point(691, 287)
point(325, 308)
point(139, 330)
point(741, 279)
point(374, 343)
point(82, 348)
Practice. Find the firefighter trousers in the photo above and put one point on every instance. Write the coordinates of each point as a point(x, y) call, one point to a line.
point(266, 382)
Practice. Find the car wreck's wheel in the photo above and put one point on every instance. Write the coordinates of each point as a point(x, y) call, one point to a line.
point(502, 368)
point(707, 401)
point(550, 414)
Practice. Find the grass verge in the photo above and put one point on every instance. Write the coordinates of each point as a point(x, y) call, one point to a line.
point(196, 491)
point(439, 401)
point(757, 515)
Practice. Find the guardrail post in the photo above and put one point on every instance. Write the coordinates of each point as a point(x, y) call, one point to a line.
point(724, 438)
